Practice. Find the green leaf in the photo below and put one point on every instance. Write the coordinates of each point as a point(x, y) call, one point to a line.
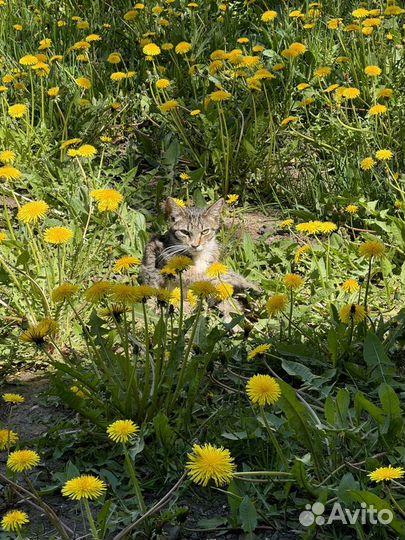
point(376, 358)
point(247, 515)
point(393, 425)
point(361, 404)
point(163, 431)
point(330, 410)
point(347, 483)
point(301, 422)
point(300, 474)
point(342, 406)
point(373, 500)
point(297, 370)
point(234, 498)
point(102, 518)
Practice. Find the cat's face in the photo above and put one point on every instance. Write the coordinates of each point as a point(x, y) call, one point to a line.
point(193, 227)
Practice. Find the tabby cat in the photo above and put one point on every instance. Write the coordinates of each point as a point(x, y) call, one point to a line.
point(191, 232)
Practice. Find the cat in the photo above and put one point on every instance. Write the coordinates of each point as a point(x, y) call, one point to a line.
point(191, 232)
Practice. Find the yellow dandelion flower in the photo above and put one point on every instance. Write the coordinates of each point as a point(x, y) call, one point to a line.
point(22, 460)
point(209, 462)
point(114, 58)
point(183, 47)
point(350, 286)
point(360, 13)
point(98, 292)
point(367, 163)
point(7, 156)
point(163, 296)
point(124, 294)
point(18, 110)
point(334, 24)
point(289, 120)
point(168, 106)
point(385, 93)
point(331, 88)
point(384, 155)
point(13, 398)
point(28, 60)
point(8, 172)
point(276, 304)
point(327, 227)
point(53, 92)
point(372, 71)
point(203, 289)
point(322, 72)
point(93, 37)
point(86, 151)
point(352, 312)
point(118, 76)
point(376, 110)
point(70, 142)
point(372, 248)
point(84, 83)
point(286, 223)
point(3, 236)
point(36, 333)
point(33, 211)
point(394, 10)
point(259, 351)
point(269, 16)
point(167, 46)
point(64, 292)
point(300, 252)
point(162, 84)
point(309, 227)
point(7, 438)
point(350, 93)
point(294, 50)
point(84, 487)
point(126, 262)
point(352, 209)
point(263, 390)
point(224, 291)
point(293, 281)
point(122, 430)
point(372, 22)
point(14, 520)
point(232, 199)
point(151, 49)
point(175, 297)
point(386, 474)
point(177, 264)
point(58, 235)
point(108, 199)
point(220, 95)
point(216, 270)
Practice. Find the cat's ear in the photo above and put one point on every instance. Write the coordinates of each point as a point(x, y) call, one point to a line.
point(173, 210)
point(214, 211)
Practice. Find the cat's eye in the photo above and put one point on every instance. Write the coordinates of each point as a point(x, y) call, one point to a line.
point(185, 232)
point(206, 231)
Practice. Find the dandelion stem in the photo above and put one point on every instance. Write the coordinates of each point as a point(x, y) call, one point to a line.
point(273, 439)
point(134, 480)
point(91, 520)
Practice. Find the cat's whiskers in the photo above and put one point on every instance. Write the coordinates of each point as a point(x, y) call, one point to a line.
point(170, 251)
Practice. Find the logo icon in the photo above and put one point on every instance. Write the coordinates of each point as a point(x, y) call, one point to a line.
point(312, 514)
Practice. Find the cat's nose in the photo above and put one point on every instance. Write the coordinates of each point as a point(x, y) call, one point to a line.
point(195, 246)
